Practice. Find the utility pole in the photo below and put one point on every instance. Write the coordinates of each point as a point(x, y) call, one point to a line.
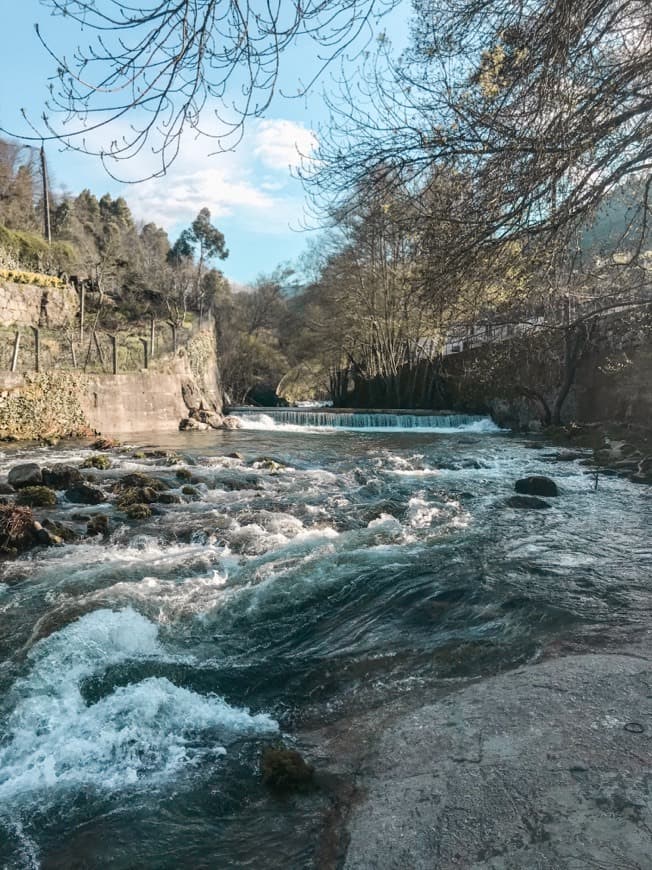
point(46, 198)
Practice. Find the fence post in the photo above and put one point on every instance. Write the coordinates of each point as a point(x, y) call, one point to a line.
point(174, 338)
point(145, 353)
point(14, 358)
point(82, 311)
point(152, 337)
point(114, 352)
point(37, 349)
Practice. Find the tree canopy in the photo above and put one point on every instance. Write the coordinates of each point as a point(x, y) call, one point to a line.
point(546, 105)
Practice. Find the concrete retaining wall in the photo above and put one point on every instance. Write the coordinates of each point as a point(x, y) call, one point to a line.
point(58, 403)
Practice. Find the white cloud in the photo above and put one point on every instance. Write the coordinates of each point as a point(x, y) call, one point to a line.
point(236, 184)
point(280, 143)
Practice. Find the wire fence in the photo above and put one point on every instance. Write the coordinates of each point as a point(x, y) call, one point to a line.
point(35, 349)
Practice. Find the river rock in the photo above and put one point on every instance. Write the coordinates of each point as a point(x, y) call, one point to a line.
point(98, 525)
point(65, 533)
point(16, 529)
point(99, 461)
point(527, 501)
point(643, 473)
point(37, 496)
point(45, 537)
point(62, 476)
point(188, 424)
point(211, 418)
point(285, 769)
point(138, 511)
point(6, 489)
point(28, 474)
point(231, 423)
point(168, 498)
point(104, 443)
point(536, 485)
point(137, 478)
point(84, 494)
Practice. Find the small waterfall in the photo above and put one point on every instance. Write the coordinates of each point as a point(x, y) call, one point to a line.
point(285, 417)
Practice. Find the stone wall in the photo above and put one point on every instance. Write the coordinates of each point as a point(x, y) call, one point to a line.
point(20, 304)
point(59, 403)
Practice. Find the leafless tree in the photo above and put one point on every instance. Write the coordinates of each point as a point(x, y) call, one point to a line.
point(158, 67)
point(545, 104)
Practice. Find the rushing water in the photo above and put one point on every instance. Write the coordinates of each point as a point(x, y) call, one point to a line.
point(307, 599)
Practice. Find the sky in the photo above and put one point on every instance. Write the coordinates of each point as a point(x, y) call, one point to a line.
point(251, 192)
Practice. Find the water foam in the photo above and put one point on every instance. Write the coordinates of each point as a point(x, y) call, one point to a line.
point(301, 421)
point(140, 733)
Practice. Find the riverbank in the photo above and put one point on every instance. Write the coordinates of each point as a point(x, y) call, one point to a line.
point(546, 766)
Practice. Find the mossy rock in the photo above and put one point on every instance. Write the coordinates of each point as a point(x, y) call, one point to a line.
point(269, 464)
point(168, 498)
point(65, 533)
point(84, 494)
point(190, 491)
point(138, 454)
point(137, 479)
point(37, 496)
point(137, 495)
point(99, 461)
point(285, 769)
point(183, 474)
point(138, 511)
point(104, 443)
point(98, 525)
point(61, 476)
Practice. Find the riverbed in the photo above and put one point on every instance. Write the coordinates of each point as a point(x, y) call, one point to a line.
point(320, 583)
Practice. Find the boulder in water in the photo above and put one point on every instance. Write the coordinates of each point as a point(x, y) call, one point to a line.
point(527, 502)
point(168, 498)
point(98, 525)
point(45, 537)
point(28, 474)
point(62, 476)
point(211, 418)
point(37, 496)
point(98, 461)
point(16, 529)
point(138, 511)
point(285, 769)
point(104, 443)
point(84, 494)
point(64, 533)
point(188, 424)
point(139, 479)
point(231, 423)
point(536, 485)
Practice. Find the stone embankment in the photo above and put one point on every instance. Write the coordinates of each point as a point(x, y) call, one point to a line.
point(62, 401)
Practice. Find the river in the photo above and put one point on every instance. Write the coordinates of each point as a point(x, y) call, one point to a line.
point(309, 599)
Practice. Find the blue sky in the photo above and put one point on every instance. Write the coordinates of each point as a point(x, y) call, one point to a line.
point(251, 193)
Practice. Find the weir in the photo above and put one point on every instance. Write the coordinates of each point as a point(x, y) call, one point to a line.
point(359, 419)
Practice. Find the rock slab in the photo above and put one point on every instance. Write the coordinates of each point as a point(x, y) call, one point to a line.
point(544, 767)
